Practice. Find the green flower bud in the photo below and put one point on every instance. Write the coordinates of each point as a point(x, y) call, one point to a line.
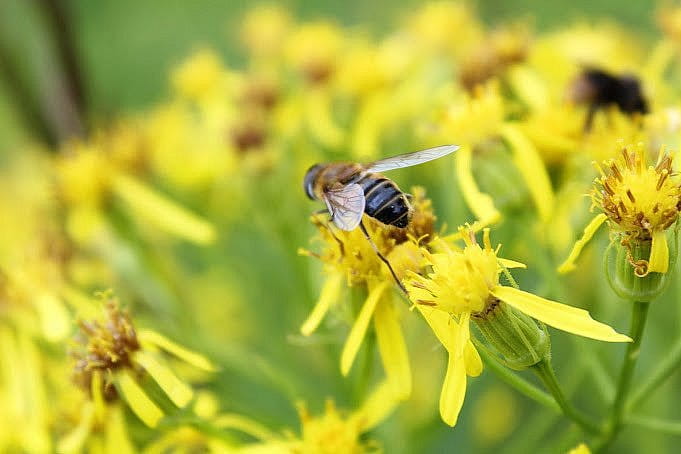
point(519, 340)
point(626, 267)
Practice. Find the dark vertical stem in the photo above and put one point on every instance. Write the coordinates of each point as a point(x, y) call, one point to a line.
point(24, 102)
point(58, 15)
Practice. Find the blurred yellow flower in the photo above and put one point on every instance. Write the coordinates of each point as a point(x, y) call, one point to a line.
point(112, 358)
point(333, 431)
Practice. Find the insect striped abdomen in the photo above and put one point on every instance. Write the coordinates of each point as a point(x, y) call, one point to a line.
point(384, 201)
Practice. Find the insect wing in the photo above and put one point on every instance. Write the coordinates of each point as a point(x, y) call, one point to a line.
point(346, 206)
point(411, 159)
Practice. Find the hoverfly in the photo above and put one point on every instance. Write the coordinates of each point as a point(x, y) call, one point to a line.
point(599, 89)
point(350, 189)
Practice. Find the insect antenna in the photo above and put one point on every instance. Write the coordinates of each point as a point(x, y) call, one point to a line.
point(382, 257)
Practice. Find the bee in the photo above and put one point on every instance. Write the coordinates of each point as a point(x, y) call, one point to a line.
point(350, 190)
point(599, 88)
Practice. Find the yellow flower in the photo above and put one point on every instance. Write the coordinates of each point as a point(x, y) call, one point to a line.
point(581, 448)
point(313, 50)
point(111, 360)
point(463, 286)
point(334, 431)
point(640, 203)
point(199, 77)
point(264, 30)
point(445, 27)
point(89, 178)
point(349, 256)
point(669, 20)
point(502, 48)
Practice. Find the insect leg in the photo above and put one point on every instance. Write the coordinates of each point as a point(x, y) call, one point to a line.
point(325, 223)
point(382, 257)
point(593, 107)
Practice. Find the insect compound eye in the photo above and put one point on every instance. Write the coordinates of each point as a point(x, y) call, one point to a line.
point(309, 180)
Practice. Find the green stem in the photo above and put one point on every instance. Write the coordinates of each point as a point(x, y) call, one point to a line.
point(658, 424)
point(668, 365)
point(514, 380)
point(545, 372)
point(638, 321)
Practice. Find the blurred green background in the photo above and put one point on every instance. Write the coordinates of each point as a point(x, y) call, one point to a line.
point(127, 49)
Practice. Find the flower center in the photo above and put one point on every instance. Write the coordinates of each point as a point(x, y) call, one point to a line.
point(638, 199)
point(104, 345)
point(460, 281)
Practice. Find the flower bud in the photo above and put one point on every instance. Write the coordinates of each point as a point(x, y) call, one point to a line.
point(519, 340)
point(626, 267)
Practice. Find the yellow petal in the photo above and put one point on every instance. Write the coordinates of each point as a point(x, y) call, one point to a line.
point(392, 347)
point(138, 401)
point(162, 212)
point(589, 231)
point(511, 263)
point(73, 441)
point(472, 360)
point(659, 253)
point(442, 324)
point(528, 86)
point(359, 329)
point(580, 449)
point(191, 357)
point(97, 391)
point(54, 317)
point(117, 440)
point(453, 390)
point(327, 298)
point(480, 204)
point(380, 403)
point(561, 316)
point(177, 390)
point(34, 395)
point(243, 424)
point(529, 162)
point(454, 386)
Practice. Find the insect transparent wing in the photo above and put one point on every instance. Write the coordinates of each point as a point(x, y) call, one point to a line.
point(346, 206)
point(411, 159)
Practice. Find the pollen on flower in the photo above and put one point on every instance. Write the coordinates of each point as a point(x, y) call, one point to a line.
point(460, 280)
point(104, 345)
point(638, 199)
point(352, 254)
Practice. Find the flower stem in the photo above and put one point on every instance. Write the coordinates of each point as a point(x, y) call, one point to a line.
point(668, 365)
point(515, 381)
point(545, 372)
point(638, 321)
point(666, 426)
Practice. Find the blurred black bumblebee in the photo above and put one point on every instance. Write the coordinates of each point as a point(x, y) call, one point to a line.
point(600, 89)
